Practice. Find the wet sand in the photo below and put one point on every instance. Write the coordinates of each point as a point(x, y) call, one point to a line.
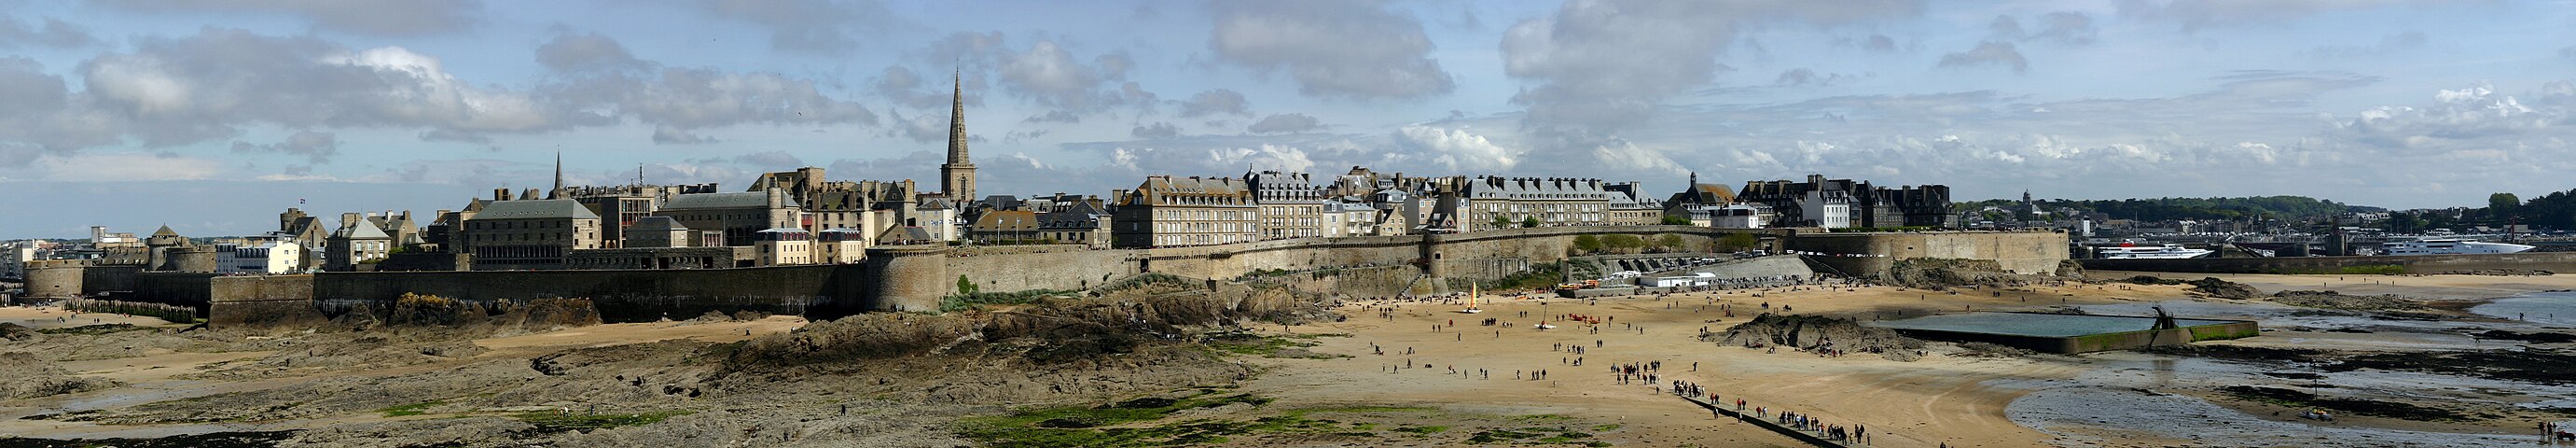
point(2114, 398)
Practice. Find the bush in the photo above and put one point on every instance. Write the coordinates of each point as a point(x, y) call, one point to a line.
point(964, 286)
point(1671, 220)
point(1738, 241)
point(1623, 242)
point(1529, 222)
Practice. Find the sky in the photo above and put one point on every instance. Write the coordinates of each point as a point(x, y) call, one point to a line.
point(212, 116)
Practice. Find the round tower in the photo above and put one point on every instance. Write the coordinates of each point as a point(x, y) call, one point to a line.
point(54, 279)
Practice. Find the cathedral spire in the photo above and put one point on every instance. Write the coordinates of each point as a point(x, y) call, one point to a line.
point(957, 177)
point(957, 121)
point(550, 194)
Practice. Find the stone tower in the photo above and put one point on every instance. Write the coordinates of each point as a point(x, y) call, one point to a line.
point(957, 177)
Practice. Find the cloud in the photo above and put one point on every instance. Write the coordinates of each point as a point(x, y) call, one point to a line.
point(2387, 44)
point(769, 159)
point(124, 167)
point(669, 135)
point(817, 26)
point(372, 17)
point(1049, 76)
point(316, 147)
point(1284, 123)
point(1456, 149)
point(904, 87)
point(587, 52)
point(1601, 67)
point(1333, 49)
point(1987, 53)
point(1875, 43)
point(1157, 131)
point(1802, 77)
point(54, 33)
point(172, 91)
point(2193, 15)
point(1216, 102)
point(684, 99)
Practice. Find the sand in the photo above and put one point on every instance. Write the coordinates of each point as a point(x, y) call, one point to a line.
point(1922, 403)
point(44, 317)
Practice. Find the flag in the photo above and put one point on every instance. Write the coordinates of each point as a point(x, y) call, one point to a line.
point(299, 200)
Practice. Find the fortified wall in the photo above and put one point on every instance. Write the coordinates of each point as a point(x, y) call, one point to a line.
point(2410, 264)
point(916, 278)
point(1870, 253)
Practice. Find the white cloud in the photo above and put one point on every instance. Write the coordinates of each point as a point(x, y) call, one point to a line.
point(1456, 149)
point(1332, 48)
point(377, 17)
point(1285, 123)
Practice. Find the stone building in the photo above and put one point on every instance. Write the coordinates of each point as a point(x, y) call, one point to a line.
point(659, 232)
point(867, 205)
point(1700, 203)
point(623, 206)
point(1291, 206)
point(1081, 222)
point(1492, 201)
point(527, 234)
point(783, 246)
point(1005, 226)
point(259, 257)
point(1840, 203)
point(1631, 206)
point(740, 216)
point(1166, 211)
point(358, 241)
point(937, 218)
point(840, 246)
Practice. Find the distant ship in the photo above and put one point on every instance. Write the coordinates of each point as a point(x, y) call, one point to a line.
point(2165, 251)
point(2449, 247)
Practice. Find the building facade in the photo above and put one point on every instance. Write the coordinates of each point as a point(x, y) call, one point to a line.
point(740, 216)
point(1166, 211)
point(1291, 205)
point(1494, 202)
point(528, 234)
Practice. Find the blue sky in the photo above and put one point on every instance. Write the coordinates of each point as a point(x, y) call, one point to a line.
point(212, 116)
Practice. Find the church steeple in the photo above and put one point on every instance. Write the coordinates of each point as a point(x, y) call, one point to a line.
point(957, 177)
point(558, 190)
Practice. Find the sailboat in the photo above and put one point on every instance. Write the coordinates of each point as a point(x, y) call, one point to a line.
point(1471, 301)
point(1542, 325)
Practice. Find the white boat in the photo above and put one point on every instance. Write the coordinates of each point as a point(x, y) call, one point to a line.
point(2163, 252)
point(2449, 247)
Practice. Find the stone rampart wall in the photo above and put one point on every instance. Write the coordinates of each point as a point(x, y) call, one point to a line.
point(2019, 252)
point(623, 295)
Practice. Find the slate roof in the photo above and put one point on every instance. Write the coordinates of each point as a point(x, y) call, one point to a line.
point(756, 199)
point(536, 209)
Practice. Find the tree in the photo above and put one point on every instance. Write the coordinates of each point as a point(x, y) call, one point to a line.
point(1738, 241)
point(2502, 204)
point(1623, 241)
point(1501, 222)
point(1587, 243)
point(1529, 222)
point(1673, 220)
point(964, 286)
point(1669, 242)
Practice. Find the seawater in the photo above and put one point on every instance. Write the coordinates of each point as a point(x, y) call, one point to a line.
point(2557, 308)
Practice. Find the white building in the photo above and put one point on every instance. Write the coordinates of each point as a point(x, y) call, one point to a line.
point(1829, 209)
point(1739, 216)
point(266, 257)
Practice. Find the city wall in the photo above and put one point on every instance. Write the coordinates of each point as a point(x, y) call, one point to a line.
point(2019, 252)
point(2411, 264)
point(621, 295)
point(916, 278)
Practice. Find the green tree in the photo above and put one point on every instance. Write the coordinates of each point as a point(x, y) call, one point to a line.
point(1738, 241)
point(1587, 243)
point(2502, 204)
point(1529, 222)
point(1623, 242)
point(964, 286)
point(1672, 220)
point(1501, 222)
